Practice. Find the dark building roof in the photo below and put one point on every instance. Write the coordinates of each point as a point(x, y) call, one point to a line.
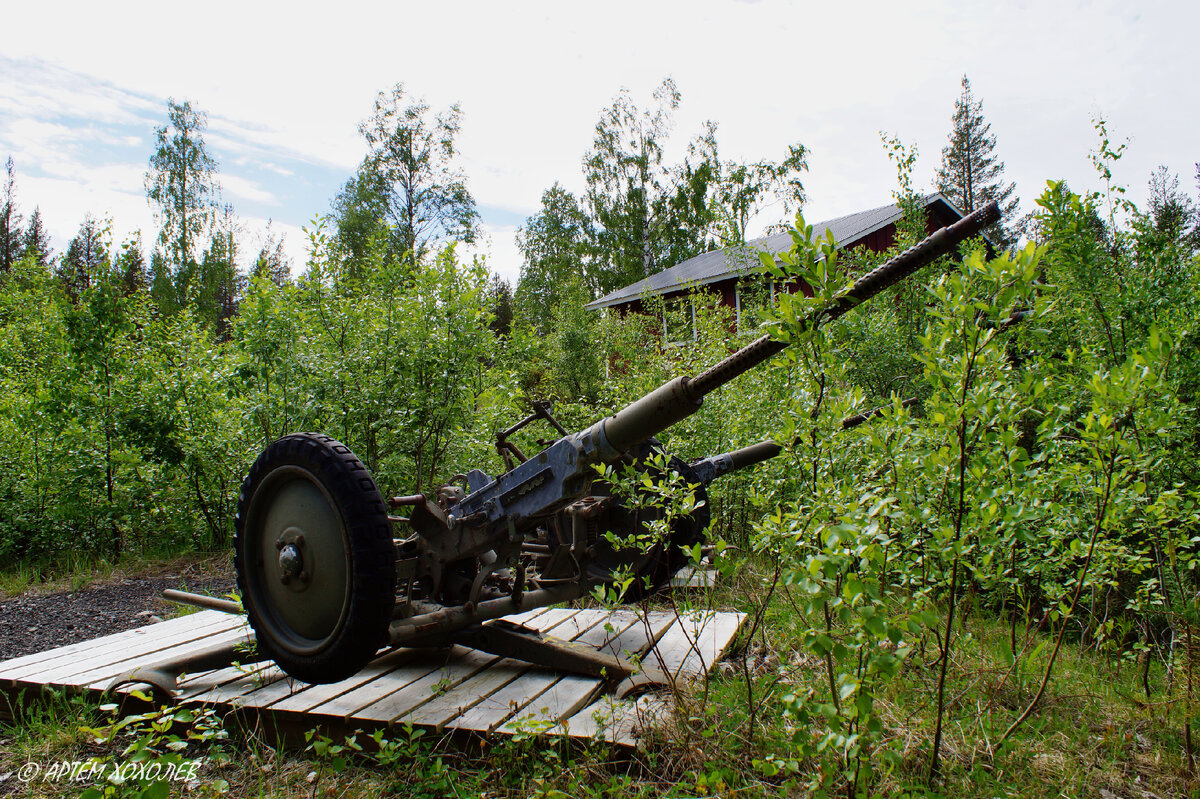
point(718, 265)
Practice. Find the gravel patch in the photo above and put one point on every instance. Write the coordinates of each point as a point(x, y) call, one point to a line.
point(34, 623)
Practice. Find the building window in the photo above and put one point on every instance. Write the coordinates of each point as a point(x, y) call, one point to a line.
point(752, 297)
point(679, 320)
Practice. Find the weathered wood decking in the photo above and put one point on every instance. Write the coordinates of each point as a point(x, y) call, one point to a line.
point(450, 689)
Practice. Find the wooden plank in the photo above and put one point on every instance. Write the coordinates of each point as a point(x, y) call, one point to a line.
point(147, 646)
point(563, 623)
point(184, 622)
point(265, 695)
point(562, 699)
point(595, 719)
point(287, 687)
point(470, 690)
point(690, 647)
point(526, 683)
point(399, 666)
point(462, 664)
point(529, 615)
point(617, 720)
point(185, 679)
point(308, 698)
point(691, 578)
point(227, 684)
point(229, 687)
point(447, 680)
point(568, 694)
point(105, 668)
point(271, 695)
point(519, 683)
point(136, 642)
point(635, 639)
point(442, 710)
point(695, 642)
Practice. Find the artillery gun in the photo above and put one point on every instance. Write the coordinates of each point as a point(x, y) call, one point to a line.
point(330, 572)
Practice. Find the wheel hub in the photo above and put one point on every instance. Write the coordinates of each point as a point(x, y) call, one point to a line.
point(291, 564)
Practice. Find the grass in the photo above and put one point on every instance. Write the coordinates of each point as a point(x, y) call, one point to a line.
point(1094, 734)
point(75, 573)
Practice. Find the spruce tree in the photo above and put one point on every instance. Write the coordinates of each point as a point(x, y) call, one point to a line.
point(501, 296)
point(272, 262)
point(36, 242)
point(163, 290)
point(86, 259)
point(970, 175)
point(131, 267)
point(219, 284)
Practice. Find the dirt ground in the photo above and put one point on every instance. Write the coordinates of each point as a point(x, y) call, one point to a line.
point(36, 621)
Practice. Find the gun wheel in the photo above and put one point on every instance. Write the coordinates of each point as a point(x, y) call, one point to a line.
point(315, 559)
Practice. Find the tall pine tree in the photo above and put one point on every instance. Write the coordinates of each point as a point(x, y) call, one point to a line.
point(10, 222)
point(970, 174)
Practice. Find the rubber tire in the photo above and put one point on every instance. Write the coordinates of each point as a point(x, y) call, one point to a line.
point(369, 592)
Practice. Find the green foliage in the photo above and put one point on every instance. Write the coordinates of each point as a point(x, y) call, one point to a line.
point(155, 749)
point(1033, 513)
point(555, 244)
point(408, 189)
point(180, 182)
point(647, 215)
point(129, 431)
point(396, 363)
point(629, 187)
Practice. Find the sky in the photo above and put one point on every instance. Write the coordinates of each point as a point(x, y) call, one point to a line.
point(84, 85)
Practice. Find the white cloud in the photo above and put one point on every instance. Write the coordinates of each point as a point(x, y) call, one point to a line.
point(34, 88)
point(246, 190)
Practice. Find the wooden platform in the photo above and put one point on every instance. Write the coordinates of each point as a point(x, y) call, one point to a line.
point(451, 689)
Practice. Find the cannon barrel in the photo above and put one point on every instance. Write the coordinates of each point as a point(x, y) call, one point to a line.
point(712, 467)
point(679, 398)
